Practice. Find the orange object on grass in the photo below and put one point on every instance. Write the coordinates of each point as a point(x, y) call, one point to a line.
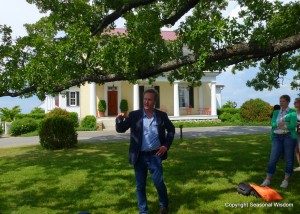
point(267, 193)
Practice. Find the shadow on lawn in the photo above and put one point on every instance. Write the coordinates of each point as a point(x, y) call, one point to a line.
point(98, 178)
point(62, 177)
point(204, 171)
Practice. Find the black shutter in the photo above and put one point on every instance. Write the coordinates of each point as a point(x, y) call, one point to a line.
point(77, 96)
point(191, 96)
point(158, 100)
point(141, 96)
point(68, 98)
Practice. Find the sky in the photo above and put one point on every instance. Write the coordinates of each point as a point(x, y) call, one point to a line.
point(235, 85)
point(17, 12)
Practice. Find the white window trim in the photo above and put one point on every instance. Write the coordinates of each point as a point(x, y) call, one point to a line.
point(186, 96)
point(75, 98)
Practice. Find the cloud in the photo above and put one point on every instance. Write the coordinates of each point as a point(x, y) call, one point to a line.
point(16, 13)
point(234, 13)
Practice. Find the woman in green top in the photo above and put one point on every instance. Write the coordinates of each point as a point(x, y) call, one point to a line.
point(297, 147)
point(283, 136)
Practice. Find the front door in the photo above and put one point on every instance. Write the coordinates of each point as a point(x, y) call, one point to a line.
point(112, 103)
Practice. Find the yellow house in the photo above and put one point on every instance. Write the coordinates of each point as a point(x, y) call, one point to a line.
point(176, 99)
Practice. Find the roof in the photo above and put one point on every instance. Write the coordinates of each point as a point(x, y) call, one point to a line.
point(166, 35)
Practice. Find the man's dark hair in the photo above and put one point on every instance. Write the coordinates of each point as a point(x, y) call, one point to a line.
point(276, 107)
point(286, 97)
point(153, 91)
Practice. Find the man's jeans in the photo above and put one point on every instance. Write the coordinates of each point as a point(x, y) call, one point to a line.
point(154, 164)
point(282, 145)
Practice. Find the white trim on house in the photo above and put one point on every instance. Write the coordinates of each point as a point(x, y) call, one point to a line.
point(49, 103)
point(176, 99)
point(93, 105)
point(136, 103)
point(213, 98)
point(219, 88)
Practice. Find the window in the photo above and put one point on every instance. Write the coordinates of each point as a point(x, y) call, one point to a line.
point(186, 96)
point(72, 98)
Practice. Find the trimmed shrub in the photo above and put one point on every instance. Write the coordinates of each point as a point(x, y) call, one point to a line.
point(255, 110)
point(89, 121)
point(36, 116)
point(37, 110)
point(74, 118)
point(23, 126)
point(228, 110)
point(58, 112)
point(229, 114)
point(230, 117)
point(124, 105)
point(57, 132)
point(102, 106)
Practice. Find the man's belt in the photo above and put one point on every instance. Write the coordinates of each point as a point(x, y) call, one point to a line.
point(152, 152)
point(283, 134)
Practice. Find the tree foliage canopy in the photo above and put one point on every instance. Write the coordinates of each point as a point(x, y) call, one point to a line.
point(70, 44)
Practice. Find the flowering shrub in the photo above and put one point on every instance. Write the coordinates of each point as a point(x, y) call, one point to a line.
point(256, 110)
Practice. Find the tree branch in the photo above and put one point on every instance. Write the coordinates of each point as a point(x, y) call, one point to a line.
point(28, 90)
point(241, 52)
point(279, 67)
point(230, 55)
point(174, 18)
point(134, 4)
point(118, 13)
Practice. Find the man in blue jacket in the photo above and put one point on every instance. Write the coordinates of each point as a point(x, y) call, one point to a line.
point(151, 135)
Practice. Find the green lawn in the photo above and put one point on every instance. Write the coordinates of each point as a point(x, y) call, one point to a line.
point(211, 123)
point(201, 176)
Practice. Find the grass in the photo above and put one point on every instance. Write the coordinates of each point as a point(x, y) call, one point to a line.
point(201, 176)
point(210, 123)
point(30, 134)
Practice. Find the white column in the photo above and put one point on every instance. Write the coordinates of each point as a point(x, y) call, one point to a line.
point(49, 103)
point(136, 103)
point(93, 99)
point(213, 98)
point(218, 97)
point(201, 97)
point(176, 99)
point(119, 86)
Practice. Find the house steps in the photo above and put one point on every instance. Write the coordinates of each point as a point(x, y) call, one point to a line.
point(108, 123)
